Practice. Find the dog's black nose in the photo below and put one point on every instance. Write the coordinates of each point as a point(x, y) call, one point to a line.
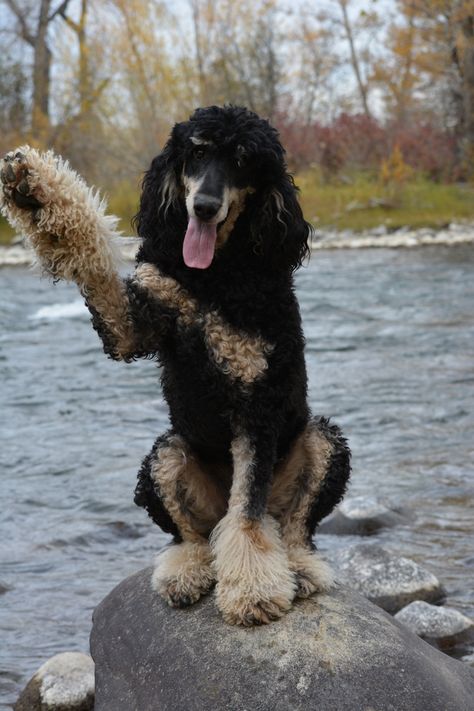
point(206, 207)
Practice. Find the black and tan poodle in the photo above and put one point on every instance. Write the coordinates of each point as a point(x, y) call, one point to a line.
point(245, 473)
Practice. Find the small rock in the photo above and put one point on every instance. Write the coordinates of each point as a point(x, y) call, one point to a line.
point(362, 516)
point(385, 579)
point(4, 587)
point(64, 683)
point(445, 625)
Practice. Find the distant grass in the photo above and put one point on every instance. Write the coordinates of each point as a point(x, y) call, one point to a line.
point(419, 203)
point(6, 232)
point(123, 202)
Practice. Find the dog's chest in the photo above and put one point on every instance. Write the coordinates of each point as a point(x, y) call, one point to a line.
point(239, 354)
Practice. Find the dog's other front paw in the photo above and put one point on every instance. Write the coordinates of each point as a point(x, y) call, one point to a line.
point(184, 573)
point(312, 573)
point(255, 584)
point(249, 607)
point(17, 187)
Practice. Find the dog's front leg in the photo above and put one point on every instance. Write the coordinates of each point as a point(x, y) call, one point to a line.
point(254, 582)
point(73, 239)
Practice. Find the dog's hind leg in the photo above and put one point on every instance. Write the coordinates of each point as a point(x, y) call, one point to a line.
point(184, 501)
point(308, 484)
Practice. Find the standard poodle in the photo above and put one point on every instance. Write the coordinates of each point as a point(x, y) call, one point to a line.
point(245, 472)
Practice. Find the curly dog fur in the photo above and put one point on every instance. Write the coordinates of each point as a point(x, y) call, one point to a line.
point(245, 473)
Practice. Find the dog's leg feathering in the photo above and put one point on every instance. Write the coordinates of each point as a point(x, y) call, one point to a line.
point(254, 582)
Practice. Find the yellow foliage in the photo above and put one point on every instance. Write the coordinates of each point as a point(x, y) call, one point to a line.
point(394, 171)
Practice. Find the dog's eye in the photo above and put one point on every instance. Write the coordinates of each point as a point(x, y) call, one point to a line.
point(199, 153)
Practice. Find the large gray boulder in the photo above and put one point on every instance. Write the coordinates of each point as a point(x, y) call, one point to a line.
point(335, 652)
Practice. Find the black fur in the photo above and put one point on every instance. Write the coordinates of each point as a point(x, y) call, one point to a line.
point(250, 283)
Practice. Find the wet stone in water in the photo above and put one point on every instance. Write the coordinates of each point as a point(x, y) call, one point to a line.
point(386, 579)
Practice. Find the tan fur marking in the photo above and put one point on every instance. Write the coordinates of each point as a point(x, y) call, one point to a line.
point(200, 503)
point(237, 354)
point(297, 482)
point(184, 572)
point(291, 497)
point(236, 207)
point(285, 482)
point(255, 534)
point(167, 290)
point(110, 300)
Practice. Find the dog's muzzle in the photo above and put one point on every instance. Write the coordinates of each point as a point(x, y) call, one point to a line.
point(206, 207)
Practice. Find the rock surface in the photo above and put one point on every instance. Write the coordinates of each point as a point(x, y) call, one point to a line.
point(64, 683)
point(444, 625)
point(362, 516)
point(335, 652)
point(387, 580)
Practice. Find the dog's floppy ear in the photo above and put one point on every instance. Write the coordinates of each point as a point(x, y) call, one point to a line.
point(161, 189)
point(280, 231)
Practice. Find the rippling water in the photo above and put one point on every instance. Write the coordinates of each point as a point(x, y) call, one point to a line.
point(390, 339)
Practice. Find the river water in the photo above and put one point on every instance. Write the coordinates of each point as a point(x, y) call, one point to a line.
point(390, 340)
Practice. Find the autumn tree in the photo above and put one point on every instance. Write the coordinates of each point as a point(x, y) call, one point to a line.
point(397, 73)
point(444, 39)
point(33, 20)
point(237, 50)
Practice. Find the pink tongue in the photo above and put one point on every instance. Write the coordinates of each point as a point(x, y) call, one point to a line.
point(199, 243)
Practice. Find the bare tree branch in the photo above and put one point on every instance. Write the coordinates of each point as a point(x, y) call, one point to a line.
point(24, 29)
point(60, 10)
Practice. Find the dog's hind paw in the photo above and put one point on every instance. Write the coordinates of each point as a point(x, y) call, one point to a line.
point(184, 573)
point(312, 573)
point(16, 183)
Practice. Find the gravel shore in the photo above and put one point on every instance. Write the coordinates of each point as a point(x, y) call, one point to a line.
point(18, 254)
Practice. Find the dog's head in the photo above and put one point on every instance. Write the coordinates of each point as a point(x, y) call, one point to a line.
point(220, 178)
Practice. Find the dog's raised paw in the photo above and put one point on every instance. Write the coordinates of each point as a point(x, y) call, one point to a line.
point(14, 174)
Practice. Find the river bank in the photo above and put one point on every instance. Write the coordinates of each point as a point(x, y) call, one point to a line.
point(19, 254)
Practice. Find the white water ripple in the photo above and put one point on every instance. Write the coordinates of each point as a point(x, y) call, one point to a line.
point(73, 309)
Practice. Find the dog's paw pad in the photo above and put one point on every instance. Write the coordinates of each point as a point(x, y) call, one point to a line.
point(14, 175)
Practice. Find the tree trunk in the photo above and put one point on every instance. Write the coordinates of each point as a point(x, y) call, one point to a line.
point(467, 69)
point(354, 59)
point(41, 73)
